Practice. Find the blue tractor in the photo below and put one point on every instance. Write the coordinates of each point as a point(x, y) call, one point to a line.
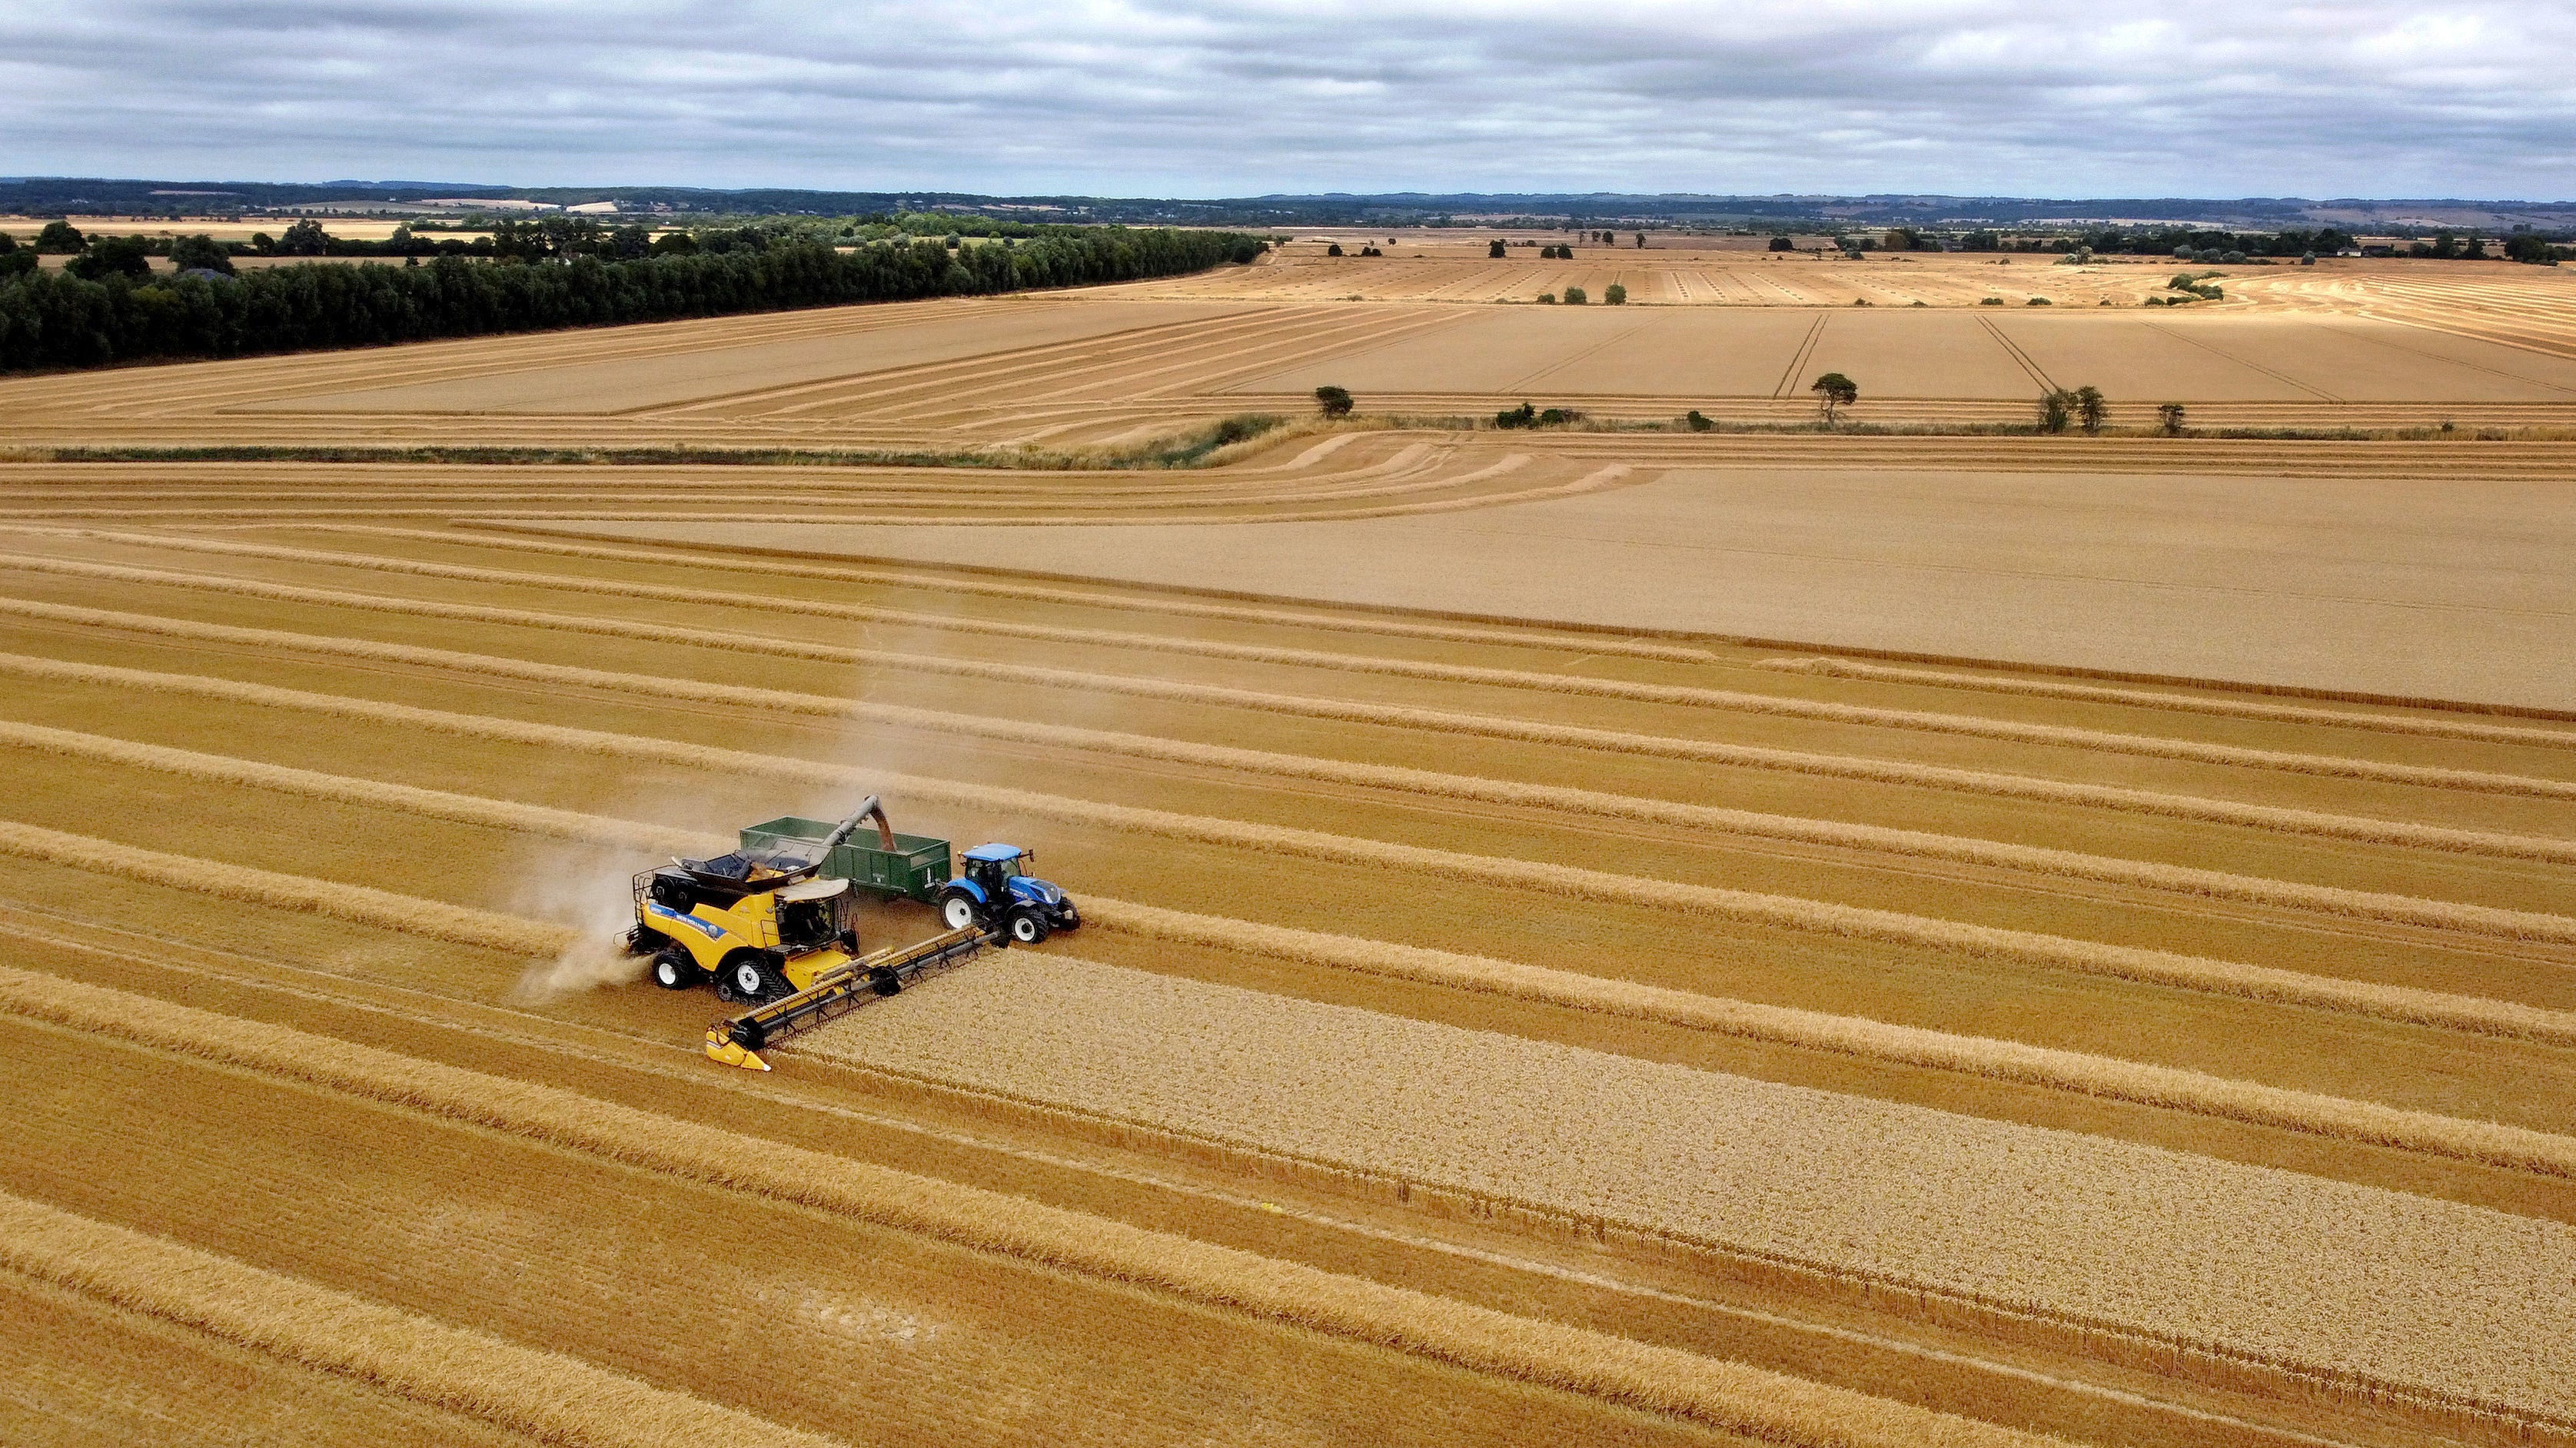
point(994, 889)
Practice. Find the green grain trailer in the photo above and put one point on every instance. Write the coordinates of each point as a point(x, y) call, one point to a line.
point(912, 867)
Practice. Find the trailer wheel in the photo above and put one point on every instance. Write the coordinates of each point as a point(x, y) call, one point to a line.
point(958, 911)
point(674, 970)
point(1027, 928)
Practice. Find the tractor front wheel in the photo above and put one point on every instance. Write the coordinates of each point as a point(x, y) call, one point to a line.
point(958, 911)
point(674, 970)
point(1027, 928)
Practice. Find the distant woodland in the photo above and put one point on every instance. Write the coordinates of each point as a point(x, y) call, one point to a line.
point(109, 305)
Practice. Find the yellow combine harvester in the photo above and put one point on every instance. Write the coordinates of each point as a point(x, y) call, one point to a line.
point(774, 932)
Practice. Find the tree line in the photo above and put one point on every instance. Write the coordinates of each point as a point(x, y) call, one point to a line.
point(119, 311)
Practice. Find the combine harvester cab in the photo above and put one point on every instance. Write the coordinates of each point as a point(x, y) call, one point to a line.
point(997, 891)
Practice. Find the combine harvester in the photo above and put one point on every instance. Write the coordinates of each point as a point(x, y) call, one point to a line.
point(773, 923)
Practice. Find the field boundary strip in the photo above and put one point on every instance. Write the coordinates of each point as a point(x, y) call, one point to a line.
point(2286, 820)
point(550, 1396)
point(1713, 1391)
point(1967, 726)
point(2139, 1083)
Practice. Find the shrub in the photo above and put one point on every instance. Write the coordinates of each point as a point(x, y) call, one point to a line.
point(1335, 401)
point(2039, 302)
point(1334, 250)
point(1615, 295)
point(1548, 297)
point(2091, 408)
point(2056, 409)
point(1782, 243)
point(1557, 416)
point(2169, 416)
point(1521, 416)
point(1496, 250)
point(1697, 421)
point(1991, 302)
point(1574, 297)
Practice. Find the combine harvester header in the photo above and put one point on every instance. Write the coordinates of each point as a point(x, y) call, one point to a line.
point(738, 1041)
point(773, 923)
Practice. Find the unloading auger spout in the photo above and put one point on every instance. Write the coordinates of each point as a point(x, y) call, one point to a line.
point(868, 809)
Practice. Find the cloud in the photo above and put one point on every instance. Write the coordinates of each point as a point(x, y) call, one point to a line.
point(1235, 97)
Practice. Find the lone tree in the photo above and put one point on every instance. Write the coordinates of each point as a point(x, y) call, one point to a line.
point(304, 238)
point(60, 238)
point(1783, 243)
point(1334, 250)
point(1615, 294)
point(1496, 250)
point(1335, 401)
point(2091, 408)
point(111, 256)
point(2169, 418)
point(1836, 392)
point(2055, 409)
point(199, 253)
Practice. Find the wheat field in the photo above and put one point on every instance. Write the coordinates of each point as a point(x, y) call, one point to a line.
point(1496, 1021)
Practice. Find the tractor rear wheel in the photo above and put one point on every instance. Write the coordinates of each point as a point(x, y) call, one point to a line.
point(674, 970)
point(958, 911)
point(1028, 928)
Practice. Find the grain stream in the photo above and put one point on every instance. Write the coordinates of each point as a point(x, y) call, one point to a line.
point(2407, 1005)
point(548, 1396)
point(1715, 1392)
point(2095, 740)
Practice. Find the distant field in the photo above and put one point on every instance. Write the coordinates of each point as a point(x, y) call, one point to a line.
point(2389, 344)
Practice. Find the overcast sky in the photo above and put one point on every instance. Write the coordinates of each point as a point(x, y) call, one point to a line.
point(1162, 97)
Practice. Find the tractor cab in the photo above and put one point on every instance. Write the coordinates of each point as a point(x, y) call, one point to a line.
point(994, 888)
